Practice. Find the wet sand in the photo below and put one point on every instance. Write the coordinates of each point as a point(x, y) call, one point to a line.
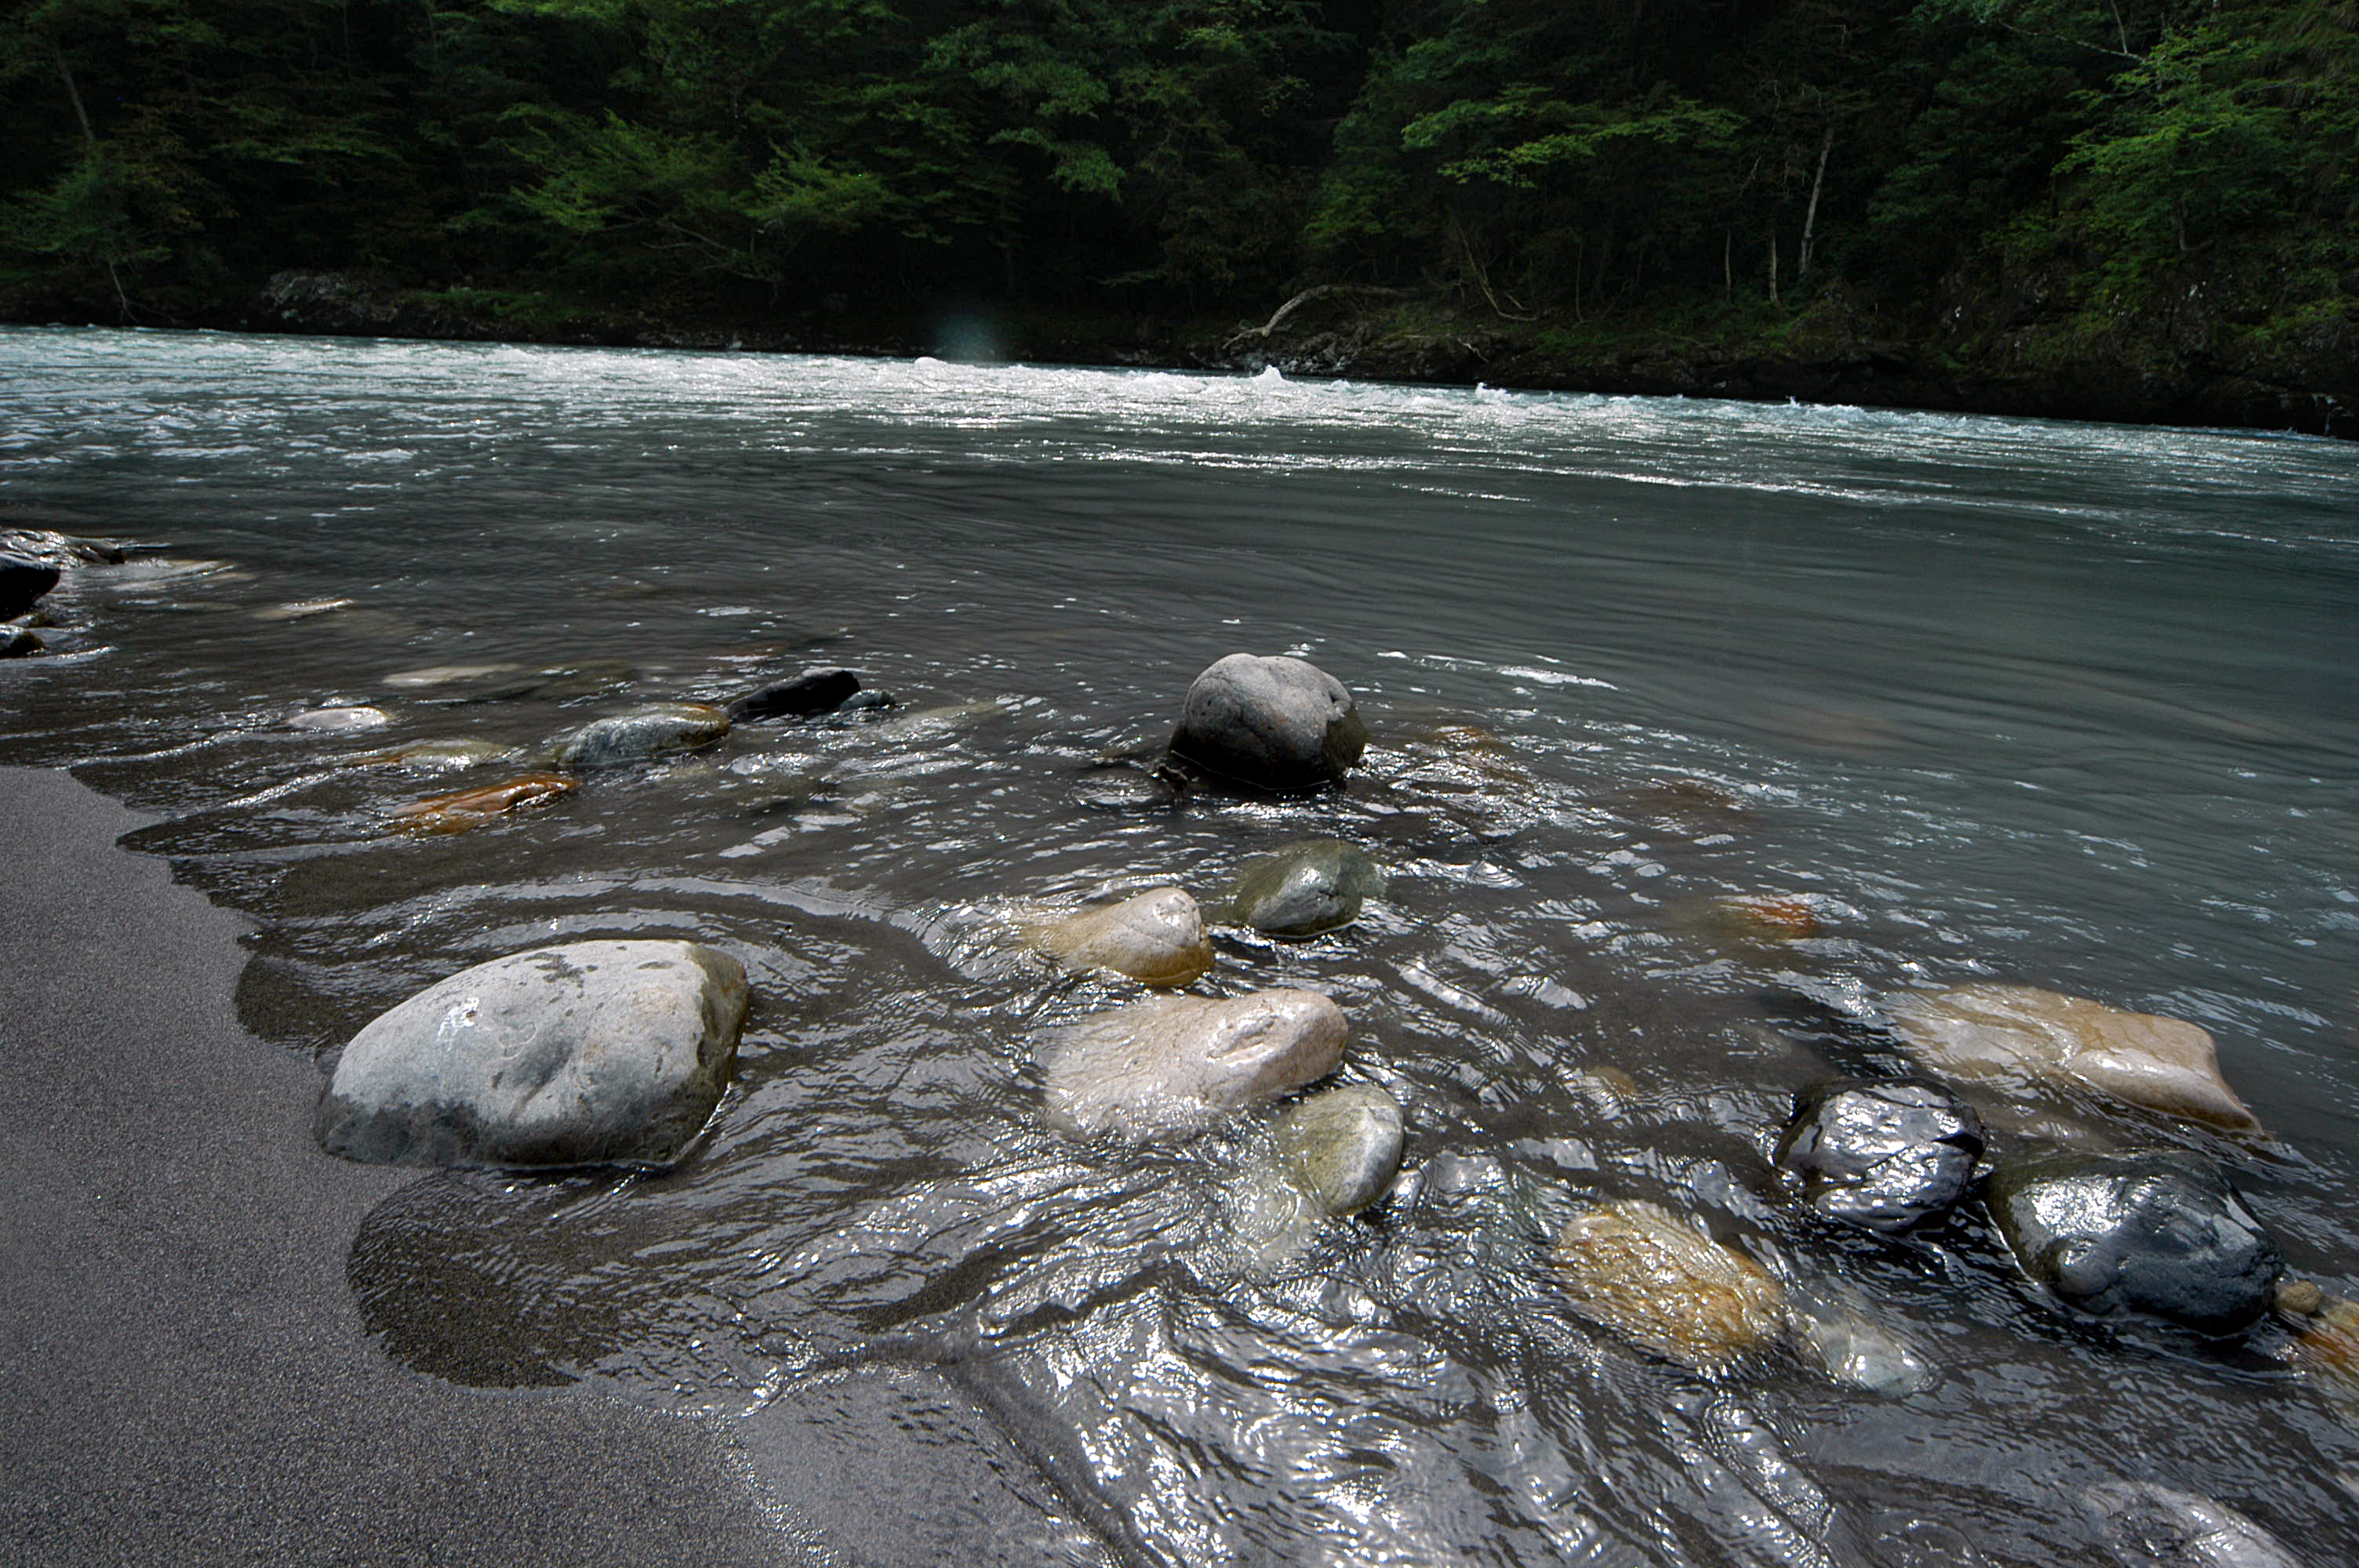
point(183, 1379)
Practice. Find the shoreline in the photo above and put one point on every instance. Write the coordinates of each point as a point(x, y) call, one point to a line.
point(1827, 354)
point(187, 1378)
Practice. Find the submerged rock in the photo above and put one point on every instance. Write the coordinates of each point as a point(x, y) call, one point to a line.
point(15, 643)
point(1853, 1349)
point(1342, 1146)
point(2028, 1035)
point(444, 675)
point(48, 547)
point(811, 692)
point(2156, 1233)
point(1884, 1154)
point(1276, 726)
point(1304, 889)
point(2156, 1527)
point(304, 608)
point(1645, 1275)
point(22, 583)
point(467, 808)
point(342, 718)
point(640, 736)
point(1156, 937)
point(438, 756)
point(1121, 787)
point(1766, 917)
point(593, 1053)
point(1175, 1064)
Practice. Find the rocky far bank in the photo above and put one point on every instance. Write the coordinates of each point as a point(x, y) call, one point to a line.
point(2019, 355)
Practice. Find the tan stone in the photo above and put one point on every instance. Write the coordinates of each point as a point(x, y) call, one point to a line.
point(1174, 1063)
point(2028, 1035)
point(467, 808)
point(1648, 1276)
point(1156, 937)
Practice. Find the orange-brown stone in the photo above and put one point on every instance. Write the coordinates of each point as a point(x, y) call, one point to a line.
point(465, 808)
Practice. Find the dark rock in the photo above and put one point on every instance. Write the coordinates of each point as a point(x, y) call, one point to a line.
point(1275, 726)
point(593, 1053)
point(2159, 1233)
point(15, 643)
point(1884, 1154)
point(1304, 889)
point(22, 582)
point(811, 692)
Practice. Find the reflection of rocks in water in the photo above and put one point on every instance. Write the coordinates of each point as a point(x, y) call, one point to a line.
point(1303, 890)
point(1156, 937)
point(2155, 1233)
point(458, 1277)
point(1650, 1277)
point(2023, 1035)
point(1175, 1064)
point(2150, 1526)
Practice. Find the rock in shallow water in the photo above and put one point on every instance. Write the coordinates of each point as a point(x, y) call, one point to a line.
point(1647, 1275)
point(1277, 726)
point(811, 692)
point(468, 808)
point(2158, 1526)
point(22, 582)
point(344, 719)
point(15, 643)
point(1886, 1156)
point(593, 1053)
point(1304, 889)
point(2040, 1036)
point(1343, 1146)
point(1175, 1064)
point(641, 736)
point(1156, 937)
point(2156, 1233)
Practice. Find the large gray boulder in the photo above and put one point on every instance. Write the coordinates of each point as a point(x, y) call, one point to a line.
point(588, 1054)
point(1272, 725)
point(2156, 1233)
point(1175, 1064)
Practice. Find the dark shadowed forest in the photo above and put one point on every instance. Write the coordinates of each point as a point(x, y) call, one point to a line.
point(2134, 208)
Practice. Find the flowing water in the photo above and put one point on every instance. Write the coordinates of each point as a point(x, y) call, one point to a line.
point(2065, 704)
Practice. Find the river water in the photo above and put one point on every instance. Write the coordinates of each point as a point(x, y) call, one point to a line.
point(2065, 704)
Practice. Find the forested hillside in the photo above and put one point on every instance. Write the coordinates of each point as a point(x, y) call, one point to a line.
point(2142, 207)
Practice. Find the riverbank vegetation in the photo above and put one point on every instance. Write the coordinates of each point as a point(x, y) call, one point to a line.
point(2134, 205)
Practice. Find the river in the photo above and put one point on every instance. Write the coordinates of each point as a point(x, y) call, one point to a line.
point(2066, 705)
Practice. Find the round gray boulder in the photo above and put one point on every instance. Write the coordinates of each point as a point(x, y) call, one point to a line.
point(1272, 725)
point(588, 1054)
point(2156, 1233)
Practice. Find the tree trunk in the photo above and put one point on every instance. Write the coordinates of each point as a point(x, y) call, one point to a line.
point(1773, 266)
point(1810, 214)
point(65, 74)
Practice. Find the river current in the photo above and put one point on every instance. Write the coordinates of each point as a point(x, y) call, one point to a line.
point(2070, 705)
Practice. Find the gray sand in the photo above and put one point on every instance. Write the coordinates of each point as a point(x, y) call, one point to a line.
point(184, 1379)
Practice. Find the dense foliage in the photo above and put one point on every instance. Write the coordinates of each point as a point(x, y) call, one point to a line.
point(1577, 160)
